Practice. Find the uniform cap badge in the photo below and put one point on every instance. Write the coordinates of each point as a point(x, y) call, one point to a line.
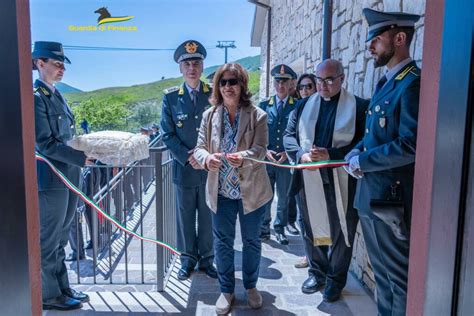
point(191, 47)
point(282, 70)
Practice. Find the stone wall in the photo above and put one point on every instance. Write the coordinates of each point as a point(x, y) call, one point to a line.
point(297, 32)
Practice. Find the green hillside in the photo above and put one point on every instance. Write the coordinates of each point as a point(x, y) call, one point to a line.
point(65, 88)
point(249, 63)
point(128, 108)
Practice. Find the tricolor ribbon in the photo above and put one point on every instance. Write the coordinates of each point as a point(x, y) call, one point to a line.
point(91, 202)
point(308, 165)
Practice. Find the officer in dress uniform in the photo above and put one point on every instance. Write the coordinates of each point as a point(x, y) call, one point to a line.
point(54, 126)
point(278, 109)
point(384, 160)
point(180, 122)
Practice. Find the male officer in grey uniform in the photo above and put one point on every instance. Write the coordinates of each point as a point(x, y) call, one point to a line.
point(54, 126)
point(384, 160)
point(278, 109)
point(180, 121)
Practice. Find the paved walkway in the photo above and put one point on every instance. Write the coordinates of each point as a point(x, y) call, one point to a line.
point(279, 284)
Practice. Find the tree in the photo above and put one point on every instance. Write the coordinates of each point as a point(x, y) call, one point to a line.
point(102, 115)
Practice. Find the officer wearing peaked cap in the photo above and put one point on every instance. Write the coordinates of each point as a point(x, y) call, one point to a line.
point(278, 109)
point(54, 127)
point(384, 160)
point(180, 122)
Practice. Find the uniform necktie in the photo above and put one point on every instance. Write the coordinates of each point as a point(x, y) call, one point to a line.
point(380, 84)
point(280, 107)
point(194, 94)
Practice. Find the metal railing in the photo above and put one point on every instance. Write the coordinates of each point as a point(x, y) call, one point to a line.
point(140, 197)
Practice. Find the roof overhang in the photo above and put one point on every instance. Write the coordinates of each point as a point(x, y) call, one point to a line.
point(258, 21)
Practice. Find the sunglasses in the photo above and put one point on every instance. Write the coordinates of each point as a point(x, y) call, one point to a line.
point(308, 86)
point(231, 82)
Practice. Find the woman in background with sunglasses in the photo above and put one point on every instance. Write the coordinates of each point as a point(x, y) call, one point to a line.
point(232, 130)
point(306, 85)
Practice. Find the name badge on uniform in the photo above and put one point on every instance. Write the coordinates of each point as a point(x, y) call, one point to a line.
point(382, 121)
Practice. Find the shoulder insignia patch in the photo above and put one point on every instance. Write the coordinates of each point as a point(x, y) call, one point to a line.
point(271, 101)
point(404, 73)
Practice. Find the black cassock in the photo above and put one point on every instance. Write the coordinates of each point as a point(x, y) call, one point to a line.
point(329, 264)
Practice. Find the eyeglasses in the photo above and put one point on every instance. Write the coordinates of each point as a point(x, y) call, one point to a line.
point(329, 81)
point(231, 82)
point(308, 86)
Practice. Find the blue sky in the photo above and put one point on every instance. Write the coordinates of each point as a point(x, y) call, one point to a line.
point(160, 23)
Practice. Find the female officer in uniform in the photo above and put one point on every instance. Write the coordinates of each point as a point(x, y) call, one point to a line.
point(54, 126)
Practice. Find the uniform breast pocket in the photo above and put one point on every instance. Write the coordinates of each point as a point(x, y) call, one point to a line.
point(387, 122)
point(60, 126)
point(181, 120)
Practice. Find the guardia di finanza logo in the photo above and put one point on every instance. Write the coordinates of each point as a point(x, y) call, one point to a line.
point(105, 22)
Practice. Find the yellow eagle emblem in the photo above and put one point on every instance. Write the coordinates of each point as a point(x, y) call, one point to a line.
point(191, 47)
point(282, 70)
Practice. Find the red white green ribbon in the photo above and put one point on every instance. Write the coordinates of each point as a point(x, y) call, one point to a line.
point(91, 202)
point(307, 165)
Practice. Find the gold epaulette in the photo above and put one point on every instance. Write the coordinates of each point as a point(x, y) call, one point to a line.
point(205, 87)
point(42, 89)
point(415, 72)
point(404, 73)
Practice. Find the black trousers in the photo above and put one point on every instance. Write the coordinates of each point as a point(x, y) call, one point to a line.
point(329, 264)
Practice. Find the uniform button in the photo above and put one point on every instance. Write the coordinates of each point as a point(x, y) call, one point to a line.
point(370, 112)
point(196, 117)
point(365, 148)
point(278, 131)
point(366, 130)
point(278, 138)
point(59, 117)
point(277, 146)
point(197, 129)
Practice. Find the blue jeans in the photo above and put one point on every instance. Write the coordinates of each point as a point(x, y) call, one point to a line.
point(223, 227)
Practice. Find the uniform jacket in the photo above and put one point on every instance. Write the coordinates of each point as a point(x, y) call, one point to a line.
point(252, 139)
point(180, 122)
point(294, 151)
point(388, 147)
point(54, 126)
point(277, 124)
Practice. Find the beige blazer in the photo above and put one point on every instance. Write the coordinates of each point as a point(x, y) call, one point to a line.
point(252, 140)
